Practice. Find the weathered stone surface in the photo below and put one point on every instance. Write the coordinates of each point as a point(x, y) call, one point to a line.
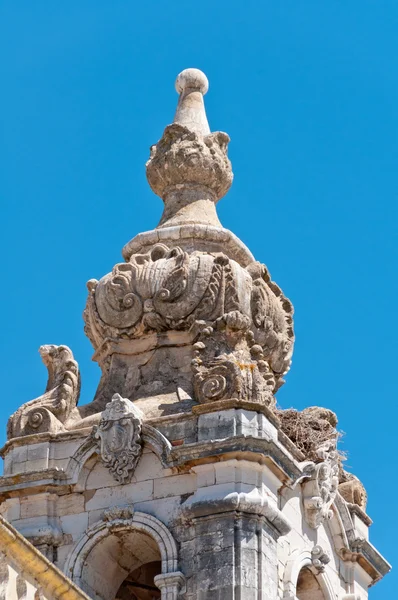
point(50, 411)
point(181, 479)
point(352, 490)
point(189, 167)
point(119, 435)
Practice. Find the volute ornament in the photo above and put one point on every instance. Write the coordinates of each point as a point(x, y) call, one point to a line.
point(319, 559)
point(229, 365)
point(50, 411)
point(169, 289)
point(119, 438)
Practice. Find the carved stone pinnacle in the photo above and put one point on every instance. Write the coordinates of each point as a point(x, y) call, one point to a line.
point(189, 167)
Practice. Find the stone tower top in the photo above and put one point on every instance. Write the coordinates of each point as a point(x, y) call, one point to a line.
point(189, 168)
point(190, 317)
point(182, 473)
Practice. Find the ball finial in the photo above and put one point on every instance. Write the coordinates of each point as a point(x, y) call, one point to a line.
point(192, 79)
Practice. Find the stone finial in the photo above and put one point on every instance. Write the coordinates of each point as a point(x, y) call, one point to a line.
point(189, 167)
point(192, 85)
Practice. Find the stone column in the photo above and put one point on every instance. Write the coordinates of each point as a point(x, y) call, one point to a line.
point(170, 584)
point(233, 557)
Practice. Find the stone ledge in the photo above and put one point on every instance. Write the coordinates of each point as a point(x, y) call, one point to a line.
point(201, 409)
point(45, 480)
point(35, 438)
point(366, 555)
point(248, 447)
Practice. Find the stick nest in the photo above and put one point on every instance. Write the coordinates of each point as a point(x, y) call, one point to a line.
point(310, 429)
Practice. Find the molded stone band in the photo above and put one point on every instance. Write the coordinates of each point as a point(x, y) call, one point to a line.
point(204, 238)
point(252, 503)
point(201, 409)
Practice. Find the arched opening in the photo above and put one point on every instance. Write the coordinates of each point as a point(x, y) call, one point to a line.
point(121, 557)
point(139, 585)
point(308, 587)
point(122, 566)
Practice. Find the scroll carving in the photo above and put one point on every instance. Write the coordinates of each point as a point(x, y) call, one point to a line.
point(228, 364)
point(167, 288)
point(319, 558)
point(50, 411)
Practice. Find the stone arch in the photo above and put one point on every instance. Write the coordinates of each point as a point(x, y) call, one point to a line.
point(299, 561)
point(122, 529)
point(77, 465)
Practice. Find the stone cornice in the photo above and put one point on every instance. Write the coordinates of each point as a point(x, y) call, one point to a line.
point(35, 482)
point(38, 438)
point(252, 503)
point(250, 448)
point(260, 450)
point(215, 406)
point(365, 554)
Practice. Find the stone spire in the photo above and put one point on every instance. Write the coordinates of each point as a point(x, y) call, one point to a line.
point(192, 85)
point(189, 168)
point(190, 317)
point(190, 284)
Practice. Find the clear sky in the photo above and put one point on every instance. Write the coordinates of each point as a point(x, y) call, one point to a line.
point(308, 92)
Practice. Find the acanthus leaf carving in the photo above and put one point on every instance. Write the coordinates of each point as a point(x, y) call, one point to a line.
point(119, 438)
point(183, 156)
point(227, 363)
point(50, 411)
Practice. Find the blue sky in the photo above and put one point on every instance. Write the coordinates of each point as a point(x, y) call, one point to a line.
point(308, 92)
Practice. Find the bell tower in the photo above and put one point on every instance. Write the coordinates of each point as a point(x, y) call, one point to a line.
point(182, 479)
